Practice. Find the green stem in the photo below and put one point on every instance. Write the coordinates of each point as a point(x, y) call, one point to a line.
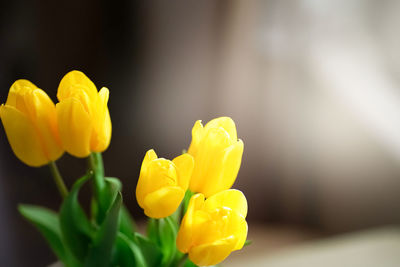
point(177, 215)
point(58, 179)
point(96, 164)
point(158, 234)
point(182, 260)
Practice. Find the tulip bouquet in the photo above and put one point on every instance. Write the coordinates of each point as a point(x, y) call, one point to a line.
point(194, 216)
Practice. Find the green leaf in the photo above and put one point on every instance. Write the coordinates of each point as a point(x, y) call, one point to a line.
point(77, 231)
point(100, 252)
point(107, 196)
point(181, 210)
point(150, 250)
point(46, 221)
point(163, 232)
point(178, 214)
point(189, 263)
point(186, 200)
point(127, 253)
point(112, 189)
point(152, 231)
point(114, 186)
point(247, 243)
point(127, 225)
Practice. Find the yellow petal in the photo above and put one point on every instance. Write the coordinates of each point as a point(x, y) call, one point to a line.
point(77, 79)
point(232, 198)
point(45, 118)
point(197, 135)
point(161, 172)
point(230, 168)
point(184, 164)
point(150, 156)
point(143, 182)
point(104, 95)
point(185, 234)
point(212, 254)
point(22, 136)
point(163, 202)
point(209, 162)
point(241, 233)
point(19, 87)
point(75, 127)
point(104, 138)
point(101, 135)
point(205, 228)
point(225, 122)
point(140, 191)
point(155, 174)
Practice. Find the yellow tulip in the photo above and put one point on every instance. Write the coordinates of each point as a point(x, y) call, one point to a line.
point(30, 121)
point(162, 183)
point(217, 153)
point(211, 229)
point(83, 116)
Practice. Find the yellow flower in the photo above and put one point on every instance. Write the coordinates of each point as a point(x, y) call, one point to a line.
point(83, 117)
point(217, 153)
point(162, 183)
point(211, 229)
point(30, 121)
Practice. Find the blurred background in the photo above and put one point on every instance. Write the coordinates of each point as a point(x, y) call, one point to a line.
point(313, 86)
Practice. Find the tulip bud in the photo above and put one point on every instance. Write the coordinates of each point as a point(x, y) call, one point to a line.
point(211, 229)
point(83, 116)
point(30, 121)
point(162, 183)
point(217, 153)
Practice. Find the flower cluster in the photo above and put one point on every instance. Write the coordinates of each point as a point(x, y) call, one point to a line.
point(39, 131)
point(214, 227)
point(195, 218)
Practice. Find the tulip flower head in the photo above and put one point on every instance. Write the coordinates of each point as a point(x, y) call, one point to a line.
point(30, 121)
point(217, 153)
point(83, 116)
point(211, 229)
point(162, 183)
